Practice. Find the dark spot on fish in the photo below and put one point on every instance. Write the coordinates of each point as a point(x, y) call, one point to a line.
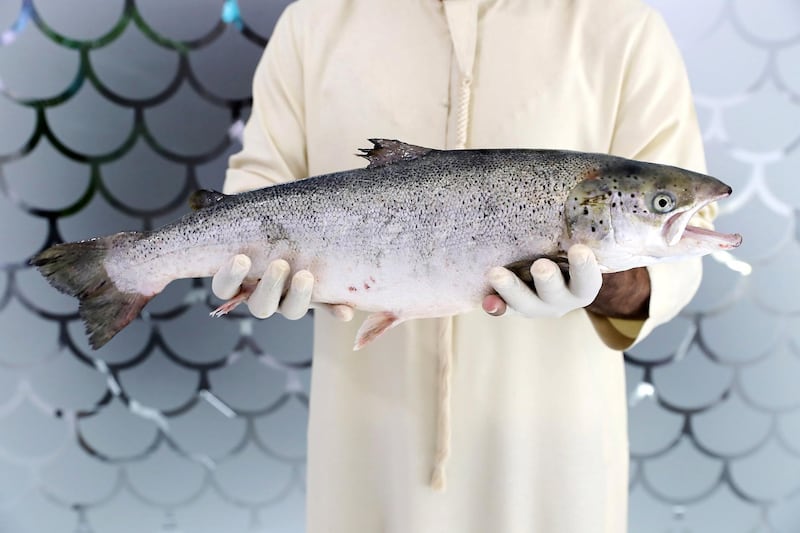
point(372, 279)
point(633, 195)
point(585, 210)
point(601, 221)
point(614, 204)
point(351, 289)
point(593, 229)
point(619, 193)
point(366, 286)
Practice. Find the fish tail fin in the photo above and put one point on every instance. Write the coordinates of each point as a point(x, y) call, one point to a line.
point(76, 268)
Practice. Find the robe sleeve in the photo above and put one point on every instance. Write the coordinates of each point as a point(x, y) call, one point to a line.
point(274, 147)
point(656, 121)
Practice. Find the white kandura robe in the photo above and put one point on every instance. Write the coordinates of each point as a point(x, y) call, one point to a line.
point(539, 433)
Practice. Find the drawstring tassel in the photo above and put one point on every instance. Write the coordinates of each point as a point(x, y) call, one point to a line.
point(462, 123)
point(443, 427)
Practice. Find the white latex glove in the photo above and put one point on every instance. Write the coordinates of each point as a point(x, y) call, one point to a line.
point(268, 297)
point(553, 297)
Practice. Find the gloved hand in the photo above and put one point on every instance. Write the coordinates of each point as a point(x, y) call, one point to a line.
point(265, 299)
point(553, 297)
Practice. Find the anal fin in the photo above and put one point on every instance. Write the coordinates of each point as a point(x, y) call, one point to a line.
point(244, 293)
point(374, 326)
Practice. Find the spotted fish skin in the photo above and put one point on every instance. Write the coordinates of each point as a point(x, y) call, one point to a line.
point(371, 235)
point(412, 235)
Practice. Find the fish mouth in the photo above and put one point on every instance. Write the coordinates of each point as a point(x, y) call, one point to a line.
point(677, 229)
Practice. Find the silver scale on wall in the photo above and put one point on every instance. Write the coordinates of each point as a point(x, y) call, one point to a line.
point(114, 110)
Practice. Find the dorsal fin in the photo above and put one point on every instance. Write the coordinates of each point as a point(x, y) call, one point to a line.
point(204, 198)
point(387, 151)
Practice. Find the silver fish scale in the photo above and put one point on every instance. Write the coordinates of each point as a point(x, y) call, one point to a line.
point(444, 199)
point(420, 221)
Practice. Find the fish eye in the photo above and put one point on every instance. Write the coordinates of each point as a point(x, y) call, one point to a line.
point(663, 202)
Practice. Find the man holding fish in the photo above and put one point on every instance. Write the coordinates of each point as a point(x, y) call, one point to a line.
point(536, 426)
point(471, 422)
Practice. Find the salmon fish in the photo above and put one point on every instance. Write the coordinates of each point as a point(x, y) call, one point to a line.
point(412, 235)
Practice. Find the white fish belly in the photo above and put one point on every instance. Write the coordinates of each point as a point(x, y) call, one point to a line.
point(406, 289)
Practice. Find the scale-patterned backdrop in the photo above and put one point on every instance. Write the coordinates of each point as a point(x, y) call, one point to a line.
point(112, 111)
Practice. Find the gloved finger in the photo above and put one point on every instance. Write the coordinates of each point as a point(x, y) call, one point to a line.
point(226, 282)
point(515, 293)
point(267, 295)
point(551, 287)
point(585, 276)
point(342, 312)
point(297, 301)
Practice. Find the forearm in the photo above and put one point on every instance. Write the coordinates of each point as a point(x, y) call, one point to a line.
point(623, 295)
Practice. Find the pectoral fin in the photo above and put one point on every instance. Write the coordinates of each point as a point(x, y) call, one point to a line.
point(522, 269)
point(374, 326)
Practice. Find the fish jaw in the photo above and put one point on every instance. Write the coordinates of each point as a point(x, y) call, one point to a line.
point(707, 238)
point(678, 228)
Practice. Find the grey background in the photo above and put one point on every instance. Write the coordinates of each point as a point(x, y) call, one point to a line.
point(112, 111)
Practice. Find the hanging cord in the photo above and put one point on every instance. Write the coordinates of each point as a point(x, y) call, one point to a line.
point(463, 112)
point(444, 430)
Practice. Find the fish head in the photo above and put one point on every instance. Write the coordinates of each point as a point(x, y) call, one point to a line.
point(634, 214)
